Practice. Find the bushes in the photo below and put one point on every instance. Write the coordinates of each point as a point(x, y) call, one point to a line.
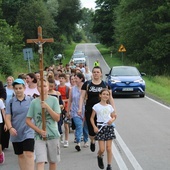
point(6, 58)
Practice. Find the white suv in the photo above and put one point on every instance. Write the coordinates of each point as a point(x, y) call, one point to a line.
point(79, 58)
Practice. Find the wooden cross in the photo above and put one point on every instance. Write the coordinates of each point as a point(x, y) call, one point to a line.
point(40, 41)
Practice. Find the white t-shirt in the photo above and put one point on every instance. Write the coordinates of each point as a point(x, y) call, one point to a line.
point(57, 82)
point(88, 76)
point(82, 70)
point(2, 106)
point(68, 84)
point(103, 113)
point(31, 92)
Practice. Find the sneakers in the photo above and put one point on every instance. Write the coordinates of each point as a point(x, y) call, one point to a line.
point(2, 158)
point(109, 168)
point(66, 144)
point(92, 147)
point(100, 162)
point(86, 145)
point(77, 147)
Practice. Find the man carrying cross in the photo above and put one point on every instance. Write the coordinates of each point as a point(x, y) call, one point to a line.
point(45, 111)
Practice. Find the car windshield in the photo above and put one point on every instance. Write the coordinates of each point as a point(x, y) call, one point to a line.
point(78, 56)
point(78, 52)
point(125, 71)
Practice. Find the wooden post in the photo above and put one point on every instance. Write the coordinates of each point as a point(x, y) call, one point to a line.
point(40, 41)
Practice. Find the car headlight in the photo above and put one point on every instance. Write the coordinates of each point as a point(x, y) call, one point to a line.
point(139, 81)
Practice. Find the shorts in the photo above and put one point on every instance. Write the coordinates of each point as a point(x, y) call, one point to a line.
point(47, 150)
point(88, 113)
point(106, 133)
point(26, 145)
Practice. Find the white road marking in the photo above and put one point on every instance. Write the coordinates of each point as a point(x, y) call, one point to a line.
point(158, 102)
point(121, 164)
point(127, 152)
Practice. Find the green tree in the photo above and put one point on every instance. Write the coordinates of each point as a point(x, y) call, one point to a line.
point(11, 8)
point(103, 21)
point(6, 58)
point(0, 9)
point(33, 15)
point(143, 27)
point(77, 36)
point(86, 24)
point(52, 6)
point(68, 16)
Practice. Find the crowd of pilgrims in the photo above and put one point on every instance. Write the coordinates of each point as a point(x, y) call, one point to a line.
point(61, 80)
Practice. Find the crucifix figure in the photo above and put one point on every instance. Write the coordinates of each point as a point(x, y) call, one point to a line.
point(40, 41)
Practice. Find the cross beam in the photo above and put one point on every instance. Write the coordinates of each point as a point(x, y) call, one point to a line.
point(40, 38)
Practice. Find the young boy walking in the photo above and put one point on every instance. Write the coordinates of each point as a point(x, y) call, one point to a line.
point(22, 136)
point(47, 147)
point(64, 90)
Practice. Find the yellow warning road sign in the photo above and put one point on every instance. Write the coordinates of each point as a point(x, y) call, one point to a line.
point(122, 48)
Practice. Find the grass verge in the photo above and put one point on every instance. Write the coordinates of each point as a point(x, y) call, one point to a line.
point(68, 52)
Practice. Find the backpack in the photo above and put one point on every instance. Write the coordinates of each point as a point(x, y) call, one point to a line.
point(67, 90)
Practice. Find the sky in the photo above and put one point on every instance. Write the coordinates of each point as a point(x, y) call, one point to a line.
point(88, 3)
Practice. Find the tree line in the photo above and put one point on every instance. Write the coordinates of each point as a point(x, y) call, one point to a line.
point(19, 20)
point(142, 26)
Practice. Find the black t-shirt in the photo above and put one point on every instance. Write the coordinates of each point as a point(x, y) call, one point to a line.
point(93, 92)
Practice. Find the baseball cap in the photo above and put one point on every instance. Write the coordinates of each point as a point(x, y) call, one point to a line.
point(18, 81)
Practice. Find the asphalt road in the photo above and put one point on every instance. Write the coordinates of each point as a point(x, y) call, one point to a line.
point(142, 129)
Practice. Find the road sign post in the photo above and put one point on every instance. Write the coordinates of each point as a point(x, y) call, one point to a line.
point(122, 50)
point(28, 55)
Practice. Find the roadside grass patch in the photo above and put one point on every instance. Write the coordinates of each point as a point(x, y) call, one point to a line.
point(68, 52)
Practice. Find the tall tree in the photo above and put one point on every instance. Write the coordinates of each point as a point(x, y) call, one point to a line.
point(68, 16)
point(0, 8)
point(35, 14)
point(103, 21)
point(10, 42)
point(11, 8)
point(143, 27)
point(86, 24)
